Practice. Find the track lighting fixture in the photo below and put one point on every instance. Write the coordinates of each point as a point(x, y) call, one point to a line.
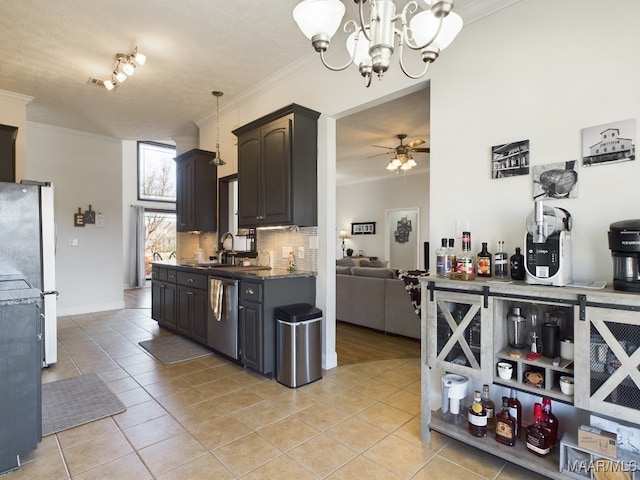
point(125, 67)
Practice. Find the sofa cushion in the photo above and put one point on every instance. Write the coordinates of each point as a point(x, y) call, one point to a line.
point(373, 272)
point(343, 270)
point(345, 262)
point(374, 263)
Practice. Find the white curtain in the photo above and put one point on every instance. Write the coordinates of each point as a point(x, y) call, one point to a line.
point(137, 275)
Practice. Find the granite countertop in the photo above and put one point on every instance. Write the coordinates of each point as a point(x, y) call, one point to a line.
point(230, 271)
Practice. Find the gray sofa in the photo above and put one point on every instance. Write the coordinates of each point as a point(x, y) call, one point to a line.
point(373, 297)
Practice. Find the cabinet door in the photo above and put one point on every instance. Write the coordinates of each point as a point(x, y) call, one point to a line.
point(276, 172)
point(609, 369)
point(183, 323)
point(169, 306)
point(185, 195)
point(460, 337)
point(251, 337)
point(250, 189)
point(156, 300)
point(199, 313)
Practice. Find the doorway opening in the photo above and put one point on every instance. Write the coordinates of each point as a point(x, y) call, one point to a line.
point(159, 237)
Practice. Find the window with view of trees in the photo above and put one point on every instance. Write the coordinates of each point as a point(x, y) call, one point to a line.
point(156, 172)
point(159, 237)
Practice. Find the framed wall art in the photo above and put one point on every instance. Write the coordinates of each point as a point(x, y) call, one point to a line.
point(609, 143)
point(510, 159)
point(363, 228)
point(555, 180)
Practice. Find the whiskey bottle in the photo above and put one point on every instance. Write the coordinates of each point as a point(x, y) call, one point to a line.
point(465, 260)
point(489, 407)
point(500, 262)
point(538, 441)
point(484, 262)
point(550, 421)
point(443, 262)
point(515, 410)
point(477, 418)
point(505, 425)
point(517, 265)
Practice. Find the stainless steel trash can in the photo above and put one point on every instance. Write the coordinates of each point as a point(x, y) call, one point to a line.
point(299, 344)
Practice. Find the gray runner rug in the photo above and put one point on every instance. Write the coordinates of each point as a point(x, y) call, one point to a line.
point(76, 401)
point(174, 349)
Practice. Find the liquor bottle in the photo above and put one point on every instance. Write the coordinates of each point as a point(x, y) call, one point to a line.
point(465, 259)
point(515, 410)
point(489, 406)
point(453, 255)
point(477, 417)
point(517, 265)
point(442, 259)
point(538, 441)
point(505, 425)
point(500, 262)
point(550, 421)
point(484, 262)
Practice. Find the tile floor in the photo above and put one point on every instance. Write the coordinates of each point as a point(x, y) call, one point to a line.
point(210, 419)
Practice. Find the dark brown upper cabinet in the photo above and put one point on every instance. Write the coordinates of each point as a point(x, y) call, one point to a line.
point(196, 188)
point(277, 169)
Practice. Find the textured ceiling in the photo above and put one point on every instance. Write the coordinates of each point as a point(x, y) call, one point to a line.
point(50, 48)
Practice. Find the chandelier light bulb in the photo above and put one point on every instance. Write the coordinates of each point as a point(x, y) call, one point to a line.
point(319, 18)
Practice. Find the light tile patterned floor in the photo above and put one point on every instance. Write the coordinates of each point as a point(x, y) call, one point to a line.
point(211, 419)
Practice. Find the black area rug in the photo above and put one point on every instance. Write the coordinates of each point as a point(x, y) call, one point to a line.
point(174, 349)
point(76, 401)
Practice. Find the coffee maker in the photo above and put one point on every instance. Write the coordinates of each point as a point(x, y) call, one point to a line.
point(624, 243)
point(454, 389)
point(547, 246)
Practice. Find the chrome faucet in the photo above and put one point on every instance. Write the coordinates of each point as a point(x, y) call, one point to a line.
point(223, 238)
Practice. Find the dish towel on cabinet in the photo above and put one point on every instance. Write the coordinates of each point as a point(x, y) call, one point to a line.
point(216, 290)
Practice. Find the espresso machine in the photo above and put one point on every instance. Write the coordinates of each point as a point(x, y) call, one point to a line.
point(454, 389)
point(624, 243)
point(547, 245)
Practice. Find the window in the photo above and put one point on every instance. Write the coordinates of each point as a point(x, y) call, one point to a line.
point(156, 172)
point(159, 237)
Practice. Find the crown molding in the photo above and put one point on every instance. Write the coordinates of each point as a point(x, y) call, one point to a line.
point(16, 97)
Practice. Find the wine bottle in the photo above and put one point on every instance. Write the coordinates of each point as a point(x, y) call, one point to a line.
point(489, 406)
point(484, 262)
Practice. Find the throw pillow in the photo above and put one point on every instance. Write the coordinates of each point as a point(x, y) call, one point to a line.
point(373, 272)
point(343, 270)
point(345, 262)
point(373, 263)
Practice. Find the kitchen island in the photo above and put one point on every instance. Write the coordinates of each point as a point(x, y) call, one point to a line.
point(182, 301)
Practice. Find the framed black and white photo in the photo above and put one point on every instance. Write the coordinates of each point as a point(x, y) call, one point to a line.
point(555, 180)
point(363, 228)
point(609, 143)
point(510, 159)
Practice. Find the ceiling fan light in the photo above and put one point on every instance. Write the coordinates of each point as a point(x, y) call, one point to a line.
point(411, 162)
point(391, 167)
point(405, 166)
point(396, 162)
point(319, 17)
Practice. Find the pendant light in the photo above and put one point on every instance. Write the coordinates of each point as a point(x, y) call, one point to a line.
point(217, 159)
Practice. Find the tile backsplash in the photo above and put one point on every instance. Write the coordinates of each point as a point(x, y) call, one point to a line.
point(271, 240)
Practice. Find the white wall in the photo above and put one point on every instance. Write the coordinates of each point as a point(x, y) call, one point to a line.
point(85, 169)
point(368, 202)
point(542, 71)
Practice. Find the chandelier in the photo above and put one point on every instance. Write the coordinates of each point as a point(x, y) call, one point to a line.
point(372, 44)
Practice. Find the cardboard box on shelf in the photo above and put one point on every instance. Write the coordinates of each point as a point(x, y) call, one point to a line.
point(598, 440)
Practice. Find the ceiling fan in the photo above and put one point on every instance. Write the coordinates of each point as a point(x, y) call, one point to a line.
point(402, 158)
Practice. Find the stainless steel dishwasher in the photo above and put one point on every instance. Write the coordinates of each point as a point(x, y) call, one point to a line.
point(222, 331)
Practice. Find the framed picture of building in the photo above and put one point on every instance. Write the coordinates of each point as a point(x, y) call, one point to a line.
point(510, 159)
point(609, 143)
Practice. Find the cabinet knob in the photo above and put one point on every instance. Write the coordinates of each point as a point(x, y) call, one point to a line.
point(190, 279)
point(189, 293)
point(240, 307)
point(249, 291)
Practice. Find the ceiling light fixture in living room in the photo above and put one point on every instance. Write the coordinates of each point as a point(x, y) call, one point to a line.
point(371, 45)
point(125, 67)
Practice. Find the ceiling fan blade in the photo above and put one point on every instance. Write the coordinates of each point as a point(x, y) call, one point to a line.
point(379, 154)
point(415, 143)
point(380, 146)
point(423, 150)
